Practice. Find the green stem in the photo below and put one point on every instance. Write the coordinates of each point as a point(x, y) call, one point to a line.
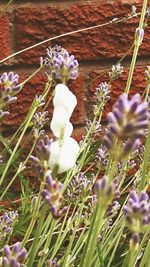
point(34, 217)
point(132, 256)
point(18, 172)
point(47, 244)
point(145, 259)
point(30, 77)
point(77, 222)
point(93, 236)
point(136, 48)
point(34, 247)
point(145, 162)
point(18, 143)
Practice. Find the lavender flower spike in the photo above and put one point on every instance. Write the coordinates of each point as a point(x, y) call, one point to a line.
point(15, 257)
point(127, 122)
point(137, 212)
point(104, 190)
point(52, 195)
point(7, 221)
point(62, 66)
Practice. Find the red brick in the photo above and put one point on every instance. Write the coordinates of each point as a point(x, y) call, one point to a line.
point(4, 37)
point(37, 23)
point(35, 86)
point(117, 87)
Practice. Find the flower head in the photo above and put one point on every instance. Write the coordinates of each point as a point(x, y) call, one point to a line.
point(127, 123)
point(115, 72)
point(137, 212)
point(79, 187)
point(62, 66)
point(51, 263)
point(14, 257)
point(42, 156)
point(7, 221)
point(39, 120)
point(8, 88)
point(52, 194)
point(105, 191)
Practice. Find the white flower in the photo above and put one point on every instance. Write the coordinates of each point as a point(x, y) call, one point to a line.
point(60, 124)
point(64, 156)
point(64, 98)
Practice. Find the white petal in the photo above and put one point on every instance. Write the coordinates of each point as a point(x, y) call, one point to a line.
point(60, 124)
point(64, 98)
point(64, 156)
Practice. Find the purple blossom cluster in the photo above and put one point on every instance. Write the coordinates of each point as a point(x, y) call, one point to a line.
point(79, 187)
point(7, 221)
point(62, 66)
point(40, 161)
point(52, 195)
point(127, 123)
point(115, 72)
point(51, 263)
point(102, 95)
point(137, 211)
point(15, 257)
point(39, 120)
point(106, 191)
point(8, 88)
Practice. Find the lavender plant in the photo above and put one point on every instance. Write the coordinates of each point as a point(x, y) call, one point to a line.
point(90, 206)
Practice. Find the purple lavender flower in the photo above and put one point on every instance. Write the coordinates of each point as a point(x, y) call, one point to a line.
point(137, 212)
point(7, 221)
point(40, 161)
point(102, 92)
point(52, 195)
point(79, 187)
point(62, 66)
point(8, 88)
point(104, 190)
point(15, 257)
point(39, 120)
point(127, 123)
point(115, 72)
point(51, 263)
point(139, 35)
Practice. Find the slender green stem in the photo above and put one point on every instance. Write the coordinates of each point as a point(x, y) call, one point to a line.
point(136, 47)
point(34, 247)
point(34, 217)
point(18, 172)
point(76, 223)
point(145, 259)
point(143, 13)
point(92, 236)
point(145, 162)
point(17, 145)
point(30, 77)
point(45, 250)
point(132, 256)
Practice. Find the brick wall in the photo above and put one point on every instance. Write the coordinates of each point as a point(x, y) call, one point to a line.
point(28, 22)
